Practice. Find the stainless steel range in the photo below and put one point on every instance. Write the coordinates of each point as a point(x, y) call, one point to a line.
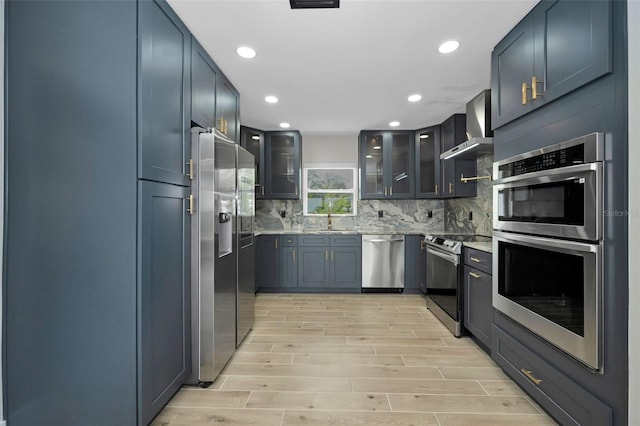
point(444, 278)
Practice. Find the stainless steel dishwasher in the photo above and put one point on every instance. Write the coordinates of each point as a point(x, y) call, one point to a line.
point(383, 263)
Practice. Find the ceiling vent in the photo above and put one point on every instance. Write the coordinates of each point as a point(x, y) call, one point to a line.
point(314, 4)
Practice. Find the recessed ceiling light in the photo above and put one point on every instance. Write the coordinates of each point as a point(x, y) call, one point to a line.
point(424, 136)
point(449, 46)
point(271, 99)
point(415, 98)
point(285, 125)
point(246, 52)
point(394, 124)
point(255, 137)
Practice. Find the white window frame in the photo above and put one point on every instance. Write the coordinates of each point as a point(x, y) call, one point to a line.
point(353, 191)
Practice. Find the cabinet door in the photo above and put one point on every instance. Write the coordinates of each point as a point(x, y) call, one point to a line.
point(512, 66)
point(453, 132)
point(314, 267)
point(399, 169)
point(572, 46)
point(346, 267)
point(203, 87)
point(164, 302)
point(428, 163)
point(164, 100)
point(253, 141)
point(412, 254)
point(227, 108)
point(372, 159)
point(269, 261)
point(289, 267)
point(478, 310)
point(282, 174)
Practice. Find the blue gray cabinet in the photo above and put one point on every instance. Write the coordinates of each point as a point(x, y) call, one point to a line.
point(314, 267)
point(452, 133)
point(428, 176)
point(283, 156)
point(414, 279)
point(227, 108)
point(268, 269)
point(203, 86)
point(558, 47)
point(163, 310)
point(289, 267)
point(387, 164)
point(106, 223)
point(164, 99)
point(478, 307)
point(253, 141)
point(345, 267)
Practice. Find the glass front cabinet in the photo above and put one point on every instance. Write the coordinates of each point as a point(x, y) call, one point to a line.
point(282, 173)
point(386, 164)
point(428, 179)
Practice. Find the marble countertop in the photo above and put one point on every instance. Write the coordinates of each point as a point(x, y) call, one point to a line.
point(488, 247)
point(337, 231)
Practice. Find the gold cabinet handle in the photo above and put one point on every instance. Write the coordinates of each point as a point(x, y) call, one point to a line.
point(296, 190)
point(450, 188)
point(190, 165)
point(475, 259)
point(530, 376)
point(332, 255)
point(436, 189)
point(390, 190)
point(534, 87)
point(276, 241)
point(474, 275)
point(293, 253)
point(223, 125)
point(262, 189)
point(524, 93)
point(190, 204)
point(385, 191)
point(326, 255)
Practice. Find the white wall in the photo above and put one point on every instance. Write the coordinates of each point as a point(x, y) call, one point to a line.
point(330, 149)
point(633, 18)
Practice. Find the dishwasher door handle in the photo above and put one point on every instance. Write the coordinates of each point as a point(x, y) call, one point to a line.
point(383, 241)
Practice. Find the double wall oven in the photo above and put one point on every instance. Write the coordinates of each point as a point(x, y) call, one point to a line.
point(547, 245)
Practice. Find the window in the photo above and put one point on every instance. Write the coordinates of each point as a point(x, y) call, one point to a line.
point(329, 188)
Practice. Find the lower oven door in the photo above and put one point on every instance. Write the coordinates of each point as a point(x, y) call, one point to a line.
point(443, 286)
point(553, 288)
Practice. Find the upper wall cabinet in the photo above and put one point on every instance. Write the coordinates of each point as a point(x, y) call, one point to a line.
point(558, 47)
point(227, 108)
point(387, 164)
point(453, 132)
point(283, 157)
point(203, 86)
point(253, 141)
point(165, 58)
point(428, 162)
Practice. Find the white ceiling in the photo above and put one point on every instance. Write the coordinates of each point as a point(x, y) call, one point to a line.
point(337, 71)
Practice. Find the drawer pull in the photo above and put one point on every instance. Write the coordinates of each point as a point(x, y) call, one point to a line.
point(474, 275)
point(531, 377)
point(475, 259)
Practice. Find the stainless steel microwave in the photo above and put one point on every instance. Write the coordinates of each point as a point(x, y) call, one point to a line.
point(555, 191)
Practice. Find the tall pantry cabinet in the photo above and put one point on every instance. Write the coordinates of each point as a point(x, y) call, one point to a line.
point(96, 277)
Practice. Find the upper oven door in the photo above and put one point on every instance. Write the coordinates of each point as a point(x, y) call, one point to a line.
point(564, 202)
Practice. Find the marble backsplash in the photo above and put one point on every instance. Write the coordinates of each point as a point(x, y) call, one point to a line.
point(456, 211)
point(447, 216)
point(398, 216)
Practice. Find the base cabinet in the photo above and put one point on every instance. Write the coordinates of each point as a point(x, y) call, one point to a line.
point(478, 308)
point(561, 397)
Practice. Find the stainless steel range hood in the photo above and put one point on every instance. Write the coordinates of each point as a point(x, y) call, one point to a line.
point(479, 135)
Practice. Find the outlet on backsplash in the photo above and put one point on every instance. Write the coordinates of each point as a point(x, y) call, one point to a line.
point(470, 215)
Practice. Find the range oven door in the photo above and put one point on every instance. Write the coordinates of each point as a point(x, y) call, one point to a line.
point(444, 295)
point(553, 288)
point(564, 202)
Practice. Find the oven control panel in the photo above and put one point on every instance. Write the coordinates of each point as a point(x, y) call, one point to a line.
point(547, 161)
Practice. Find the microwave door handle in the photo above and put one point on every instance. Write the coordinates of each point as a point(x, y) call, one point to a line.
point(553, 175)
point(452, 258)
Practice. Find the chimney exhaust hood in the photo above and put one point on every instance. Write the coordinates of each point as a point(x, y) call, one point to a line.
point(479, 135)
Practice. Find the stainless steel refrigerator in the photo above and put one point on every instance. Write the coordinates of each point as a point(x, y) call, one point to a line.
point(246, 293)
point(214, 254)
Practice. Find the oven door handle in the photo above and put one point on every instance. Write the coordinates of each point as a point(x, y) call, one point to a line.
point(553, 175)
point(452, 258)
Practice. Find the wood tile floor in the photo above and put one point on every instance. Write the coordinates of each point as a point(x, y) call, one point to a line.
point(374, 359)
